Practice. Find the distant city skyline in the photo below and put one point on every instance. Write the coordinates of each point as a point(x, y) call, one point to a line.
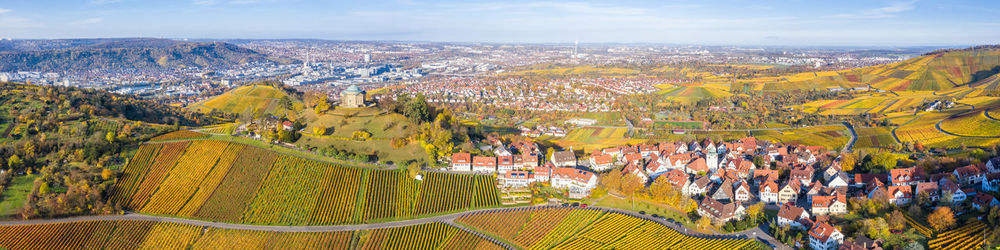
point(732, 22)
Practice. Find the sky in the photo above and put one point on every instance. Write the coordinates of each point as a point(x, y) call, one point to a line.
point(728, 22)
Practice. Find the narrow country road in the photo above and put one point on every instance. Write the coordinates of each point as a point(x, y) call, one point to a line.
point(854, 137)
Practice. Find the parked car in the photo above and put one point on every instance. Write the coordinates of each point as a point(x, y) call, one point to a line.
point(583, 205)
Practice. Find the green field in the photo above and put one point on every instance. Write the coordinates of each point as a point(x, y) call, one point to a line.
point(15, 194)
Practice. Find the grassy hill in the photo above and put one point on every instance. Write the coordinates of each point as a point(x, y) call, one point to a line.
point(241, 183)
point(341, 124)
point(252, 99)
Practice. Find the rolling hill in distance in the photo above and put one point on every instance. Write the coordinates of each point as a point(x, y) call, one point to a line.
point(91, 54)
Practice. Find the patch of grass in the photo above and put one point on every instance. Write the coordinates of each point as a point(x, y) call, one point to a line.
point(13, 197)
point(649, 207)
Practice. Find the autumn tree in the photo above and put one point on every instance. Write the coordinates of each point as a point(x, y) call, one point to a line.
point(754, 211)
point(942, 218)
point(896, 220)
point(612, 180)
point(413, 169)
point(847, 161)
point(319, 130)
point(630, 184)
point(876, 228)
point(704, 223)
point(660, 189)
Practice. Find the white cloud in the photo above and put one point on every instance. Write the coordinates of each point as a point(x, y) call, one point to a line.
point(883, 12)
point(14, 22)
point(88, 21)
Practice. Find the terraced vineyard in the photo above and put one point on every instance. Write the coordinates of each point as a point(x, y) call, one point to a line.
point(926, 231)
point(923, 129)
point(972, 124)
point(875, 137)
point(179, 135)
point(258, 99)
point(232, 182)
point(426, 236)
point(573, 228)
point(137, 234)
point(831, 137)
point(969, 236)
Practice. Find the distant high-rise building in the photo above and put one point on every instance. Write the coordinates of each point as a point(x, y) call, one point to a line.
point(576, 48)
point(368, 58)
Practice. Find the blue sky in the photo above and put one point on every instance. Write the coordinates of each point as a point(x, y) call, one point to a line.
point(732, 22)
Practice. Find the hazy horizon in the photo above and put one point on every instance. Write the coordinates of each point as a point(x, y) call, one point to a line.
point(720, 23)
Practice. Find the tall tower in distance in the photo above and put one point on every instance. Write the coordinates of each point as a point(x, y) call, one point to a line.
point(576, 48)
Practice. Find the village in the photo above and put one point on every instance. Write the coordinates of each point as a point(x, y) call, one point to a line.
point(805, 184)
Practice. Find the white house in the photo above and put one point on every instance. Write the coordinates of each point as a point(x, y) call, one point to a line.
point(516, 179)
point(768, 192)
point(823, 236)
point(792, 216)
point(571, 178)
point(461, 162)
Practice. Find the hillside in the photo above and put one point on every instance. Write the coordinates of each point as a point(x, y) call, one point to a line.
point(239, 183)
point(252, 99)
point(128, 53)
point(146, 234)
point(931, 72)
point(383, 126)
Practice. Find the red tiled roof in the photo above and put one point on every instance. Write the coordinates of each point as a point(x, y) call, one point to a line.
point(822, 231)
point(482, 161)
point(461, 158)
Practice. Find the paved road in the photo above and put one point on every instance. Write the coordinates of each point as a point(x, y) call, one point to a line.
point(756, 233)
point(987, 113)
point(854, 137)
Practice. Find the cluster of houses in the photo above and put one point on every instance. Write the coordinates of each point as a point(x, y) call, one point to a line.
point(724, 178)
point(517, 166)
point(542, 130)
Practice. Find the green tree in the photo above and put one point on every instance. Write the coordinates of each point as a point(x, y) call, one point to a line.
point(14, 162)
point(876, 228)
point(413, 169)
point(110, 137)
point(43, 188)
point(884, 159)
point(322, 105)
point(416, 109)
